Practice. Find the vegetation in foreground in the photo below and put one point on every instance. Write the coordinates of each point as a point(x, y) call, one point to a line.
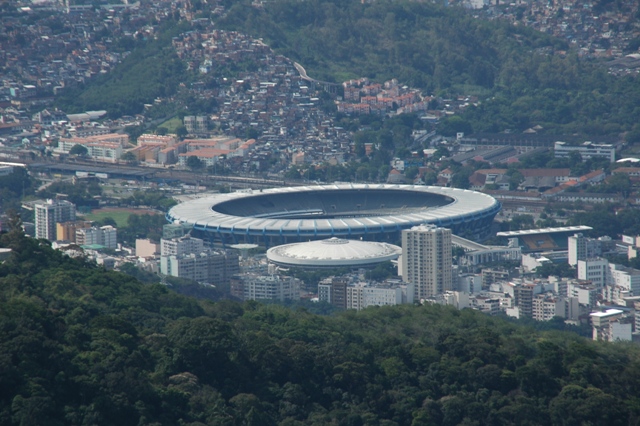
point(80, 345)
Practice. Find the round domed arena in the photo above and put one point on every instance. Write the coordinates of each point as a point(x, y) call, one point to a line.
point(367, 212)
point(333, 253)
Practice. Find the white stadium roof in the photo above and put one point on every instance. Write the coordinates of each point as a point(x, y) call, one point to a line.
point(333, 252)
point(456, 206)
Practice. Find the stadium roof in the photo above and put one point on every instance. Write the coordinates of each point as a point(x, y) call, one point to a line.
point(338, 214)
point(333, 252)
point(524, 232)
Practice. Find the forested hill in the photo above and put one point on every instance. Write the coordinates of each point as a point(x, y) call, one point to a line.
point(518, 73)
point(82, 346)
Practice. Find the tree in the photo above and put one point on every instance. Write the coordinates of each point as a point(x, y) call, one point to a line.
point(129, 157)
point(79, 150)
point(194, 163)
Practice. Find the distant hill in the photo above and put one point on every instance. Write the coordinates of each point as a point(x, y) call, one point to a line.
point(80, 345)
point(516, 71)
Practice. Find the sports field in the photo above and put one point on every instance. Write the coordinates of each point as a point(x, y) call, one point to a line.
point(120, 215)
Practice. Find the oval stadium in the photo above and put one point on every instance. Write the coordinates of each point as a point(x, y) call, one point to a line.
point(277, 216)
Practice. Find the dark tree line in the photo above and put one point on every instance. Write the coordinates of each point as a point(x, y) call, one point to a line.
point(80, 345)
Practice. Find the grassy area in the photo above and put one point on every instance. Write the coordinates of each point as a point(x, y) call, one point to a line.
point(119, 217)
point(172, 124)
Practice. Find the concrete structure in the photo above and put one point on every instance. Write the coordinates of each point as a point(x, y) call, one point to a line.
point(583, 248)
point(266, 287)
point(146, 248)
point(66, 231)
point(210, 267)
point(106, 236)
point(594, 270)
point(181, 246)
point(363, 295)
point(611, 325)
point(50, 213)
point(478, 254)
point(333, 253)
point(427, 260)
point(587, 150)
point(371, 212)
point(546, 306)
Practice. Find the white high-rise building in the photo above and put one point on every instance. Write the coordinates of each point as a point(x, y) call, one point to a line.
point(51, 212)
point(594, 270)
point(583, 248)
point(427, 260)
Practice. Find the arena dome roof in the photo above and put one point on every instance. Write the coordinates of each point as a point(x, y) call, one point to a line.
point(333, 252)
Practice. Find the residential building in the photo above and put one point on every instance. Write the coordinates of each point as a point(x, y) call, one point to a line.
point(208, 266)
point(181, 246)
point(106, 236)
point(583, 248)
point(427, 260)
point(267, 287)
point(363, 295)
point(594, 270)
point(547, 305)
point(611, 325)
point(66, 231)
point(50, 213)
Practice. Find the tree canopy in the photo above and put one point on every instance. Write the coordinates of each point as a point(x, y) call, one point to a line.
point(81, 345)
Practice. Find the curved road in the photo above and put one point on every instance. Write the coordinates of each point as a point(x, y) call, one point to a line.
point(304, 76)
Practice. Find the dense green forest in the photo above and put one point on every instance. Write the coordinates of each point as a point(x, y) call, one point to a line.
point(82, 346)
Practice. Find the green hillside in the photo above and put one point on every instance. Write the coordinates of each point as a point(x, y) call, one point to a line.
point(446, 51)
point(83, 346)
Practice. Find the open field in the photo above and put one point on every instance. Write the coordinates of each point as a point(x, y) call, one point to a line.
point(120, 215)
point(172, 124)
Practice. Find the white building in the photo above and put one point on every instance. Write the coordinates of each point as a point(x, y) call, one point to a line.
point(546, 306)
point(611, 325)
point(49, 213)
point(594, 270)
point(270, 287)
point(105, 236)
point(587, 150)
point(427, 259)
point(583, 248)
point(181, 246)
point(211, 267)
point(624, 282)
point(363, 295)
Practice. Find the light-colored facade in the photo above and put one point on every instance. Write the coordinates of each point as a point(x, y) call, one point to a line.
point(211, 267)
point(146, 248)
point(594, 270)
point(269, 287)
point(587, 150)
point(546, 306)
point(427, 260)
point(362, 295)
point(583, 248)
point(181, 246)
point(50, 213)
point(611, 325)
point(105, 236)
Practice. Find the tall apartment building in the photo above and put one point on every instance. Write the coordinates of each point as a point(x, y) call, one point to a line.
point(50, 213)
point(427, 260)
point(594, 270)
point(105, 236)
point(583, 248)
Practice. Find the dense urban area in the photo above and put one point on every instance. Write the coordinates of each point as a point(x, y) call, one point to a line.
point(211, 212)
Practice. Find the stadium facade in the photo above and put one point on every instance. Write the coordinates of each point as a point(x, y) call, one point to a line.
point(353, 211)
